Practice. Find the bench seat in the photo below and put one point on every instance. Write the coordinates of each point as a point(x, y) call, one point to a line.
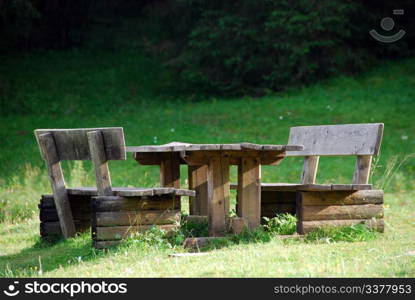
point(132, 192)
point(294, 187)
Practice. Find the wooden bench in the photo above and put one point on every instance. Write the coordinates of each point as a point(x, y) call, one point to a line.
point(141, 206)
point(318, 205)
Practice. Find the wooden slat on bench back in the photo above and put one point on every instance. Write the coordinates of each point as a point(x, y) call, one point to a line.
point(350, 139)
point(72, 144)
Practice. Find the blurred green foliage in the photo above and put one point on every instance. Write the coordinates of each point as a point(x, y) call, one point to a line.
point(217, 47)
point(239, 47)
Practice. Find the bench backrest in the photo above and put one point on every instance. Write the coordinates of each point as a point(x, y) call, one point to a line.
point(361, 140)
point(96, 144)
point(72, 144)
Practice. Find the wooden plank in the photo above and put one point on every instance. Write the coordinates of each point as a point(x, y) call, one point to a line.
point(343, 198)
point(251, 146)
point(198, 182)
point(72, 144)
point(341, 212)
point(99, 160)
point(177, 146)
point(315, 187)
point(308, 226)
point(137, 192)
point(249, 192)
point(218, 195)
point(362, 169)
point(116, 203)
point(143, 217)
point(170, 170)
point(54, 228)
point(280, 187)
point(183, 192)
point(48, 149)
point(120, 232)
point(310, 169)
point(199, 158)
point(51, 215)
point(79, 204)
point(47, 201)
point(349, 139)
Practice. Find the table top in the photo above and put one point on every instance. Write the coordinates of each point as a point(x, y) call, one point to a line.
point(179, 147)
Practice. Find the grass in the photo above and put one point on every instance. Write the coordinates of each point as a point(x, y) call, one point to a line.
point(88, 89)
point(388, 254)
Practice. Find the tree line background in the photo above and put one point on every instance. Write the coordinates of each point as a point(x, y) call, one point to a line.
point(217, 47)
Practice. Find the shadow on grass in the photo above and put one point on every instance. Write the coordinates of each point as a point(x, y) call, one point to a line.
point(46, 256)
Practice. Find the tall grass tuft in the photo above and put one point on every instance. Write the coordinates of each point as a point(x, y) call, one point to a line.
point(281, 224)
point(20, 196)
point(392, 177)
point(353, 233)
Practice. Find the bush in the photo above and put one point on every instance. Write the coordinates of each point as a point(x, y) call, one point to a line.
point(281, 224)
point(235, 47)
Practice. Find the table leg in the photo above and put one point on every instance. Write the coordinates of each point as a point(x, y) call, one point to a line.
point(198, 182)
point(170, 170)
point(249, 191)
point(218, 195)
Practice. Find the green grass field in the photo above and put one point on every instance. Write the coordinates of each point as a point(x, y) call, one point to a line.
point(80, 89)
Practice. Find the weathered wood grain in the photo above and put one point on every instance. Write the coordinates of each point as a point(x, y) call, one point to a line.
point(117, 203)
point(51, 156)
point(177, 147)
point(349, 139)
point(362, 169)
point(218, 195)
point(308, 226)
point(72, 144)
point(140, 217)
point(342, 198)
point(310, 169)
point(170, 170)
point(341, 212)
point(313, 187)
point(249, 192)
point(198, 205)
point(100, 163)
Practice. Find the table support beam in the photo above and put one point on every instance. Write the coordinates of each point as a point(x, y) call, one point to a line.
point(170, 170)
point(218, 195)
point(198, 181)
point(249, 191)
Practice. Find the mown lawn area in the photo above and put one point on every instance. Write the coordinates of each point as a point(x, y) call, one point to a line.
point(129, 90)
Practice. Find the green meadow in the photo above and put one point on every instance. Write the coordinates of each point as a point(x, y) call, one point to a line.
point(74, 89)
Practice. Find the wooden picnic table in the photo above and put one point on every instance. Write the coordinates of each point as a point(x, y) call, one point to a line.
point(209, 176)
